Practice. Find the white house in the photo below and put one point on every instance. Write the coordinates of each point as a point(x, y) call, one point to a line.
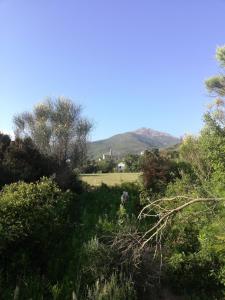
point(121, 166)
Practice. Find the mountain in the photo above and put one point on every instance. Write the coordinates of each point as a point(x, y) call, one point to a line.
point(132, 142)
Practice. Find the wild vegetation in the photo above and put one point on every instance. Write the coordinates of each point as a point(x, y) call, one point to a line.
point(61, 239)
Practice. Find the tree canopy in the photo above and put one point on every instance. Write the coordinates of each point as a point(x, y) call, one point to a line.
point(57, 129)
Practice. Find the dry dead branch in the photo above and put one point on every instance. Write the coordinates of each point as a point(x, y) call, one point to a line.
point(165, 214)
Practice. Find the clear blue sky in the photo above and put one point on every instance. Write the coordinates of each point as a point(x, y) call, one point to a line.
point(130, 63)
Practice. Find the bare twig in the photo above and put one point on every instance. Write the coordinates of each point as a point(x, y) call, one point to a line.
point(165, 214)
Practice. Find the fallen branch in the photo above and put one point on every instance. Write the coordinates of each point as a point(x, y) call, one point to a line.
point(166, 214)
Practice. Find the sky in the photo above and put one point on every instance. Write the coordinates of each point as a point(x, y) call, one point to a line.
point(129, 63)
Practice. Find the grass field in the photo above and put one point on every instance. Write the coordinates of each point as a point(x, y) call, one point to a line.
point(110, 179)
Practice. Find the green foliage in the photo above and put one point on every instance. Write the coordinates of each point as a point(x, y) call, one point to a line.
point(116, 287)
point(196, 262)
point(106, 165)
point(194, 242)
point(21, 160)
point(57, 129)
point(158, 171)
point(220, 55)
point(68, 179)
point(216, 84)
point(90, 167)
point(206, 153)
point(96, 261)
point(33, 217)
point(132, 162)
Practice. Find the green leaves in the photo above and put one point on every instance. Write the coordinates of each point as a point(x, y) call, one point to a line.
point(216, 85)
point(57, 129)
point(220, 55)
point(33, 218)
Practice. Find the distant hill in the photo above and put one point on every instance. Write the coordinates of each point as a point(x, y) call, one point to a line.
point(132, 142)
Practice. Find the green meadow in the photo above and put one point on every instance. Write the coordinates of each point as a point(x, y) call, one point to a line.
point(110, 179)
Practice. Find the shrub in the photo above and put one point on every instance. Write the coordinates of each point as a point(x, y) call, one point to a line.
point(116, 287)
point(33, 220)
point(21, 160)
point(158, 171)
point(96, 261)
point(67, 179)
point(106, 166)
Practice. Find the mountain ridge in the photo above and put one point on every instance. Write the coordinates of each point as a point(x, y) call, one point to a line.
point(132, 142)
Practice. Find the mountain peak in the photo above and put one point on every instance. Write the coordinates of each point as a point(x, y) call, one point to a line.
point(148, 132)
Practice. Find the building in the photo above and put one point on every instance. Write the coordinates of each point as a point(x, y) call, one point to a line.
point(108, 155)
point(121, 167)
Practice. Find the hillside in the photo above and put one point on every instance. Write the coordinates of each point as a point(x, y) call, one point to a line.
point(132, 142)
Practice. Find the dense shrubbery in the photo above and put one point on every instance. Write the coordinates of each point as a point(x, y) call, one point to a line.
point(89, 246)
point(57, 238)
point(158, 171)
point(132, 163)
point(34, 220)
point(195, 243)
point(190, 217)
point(106, 165)
point(21, 160)
point(100, 166)
point(77, 245)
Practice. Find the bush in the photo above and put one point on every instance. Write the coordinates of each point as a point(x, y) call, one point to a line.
point(68, 179)
point(96, 259)
point(33, 220)
point(21, 160)
point(158, 171)
point(116, 287)
point(132, 162)
point(106, 166)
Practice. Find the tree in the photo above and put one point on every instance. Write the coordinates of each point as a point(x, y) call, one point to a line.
point(157, 170)
point(90, 167)
point(190, 217)
point(206, 152)
point(215, 117)
point(4, 143)
point(106, 165)
point(57, 129)
point(216, 84)
point(21, 160)
point(132, 162)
